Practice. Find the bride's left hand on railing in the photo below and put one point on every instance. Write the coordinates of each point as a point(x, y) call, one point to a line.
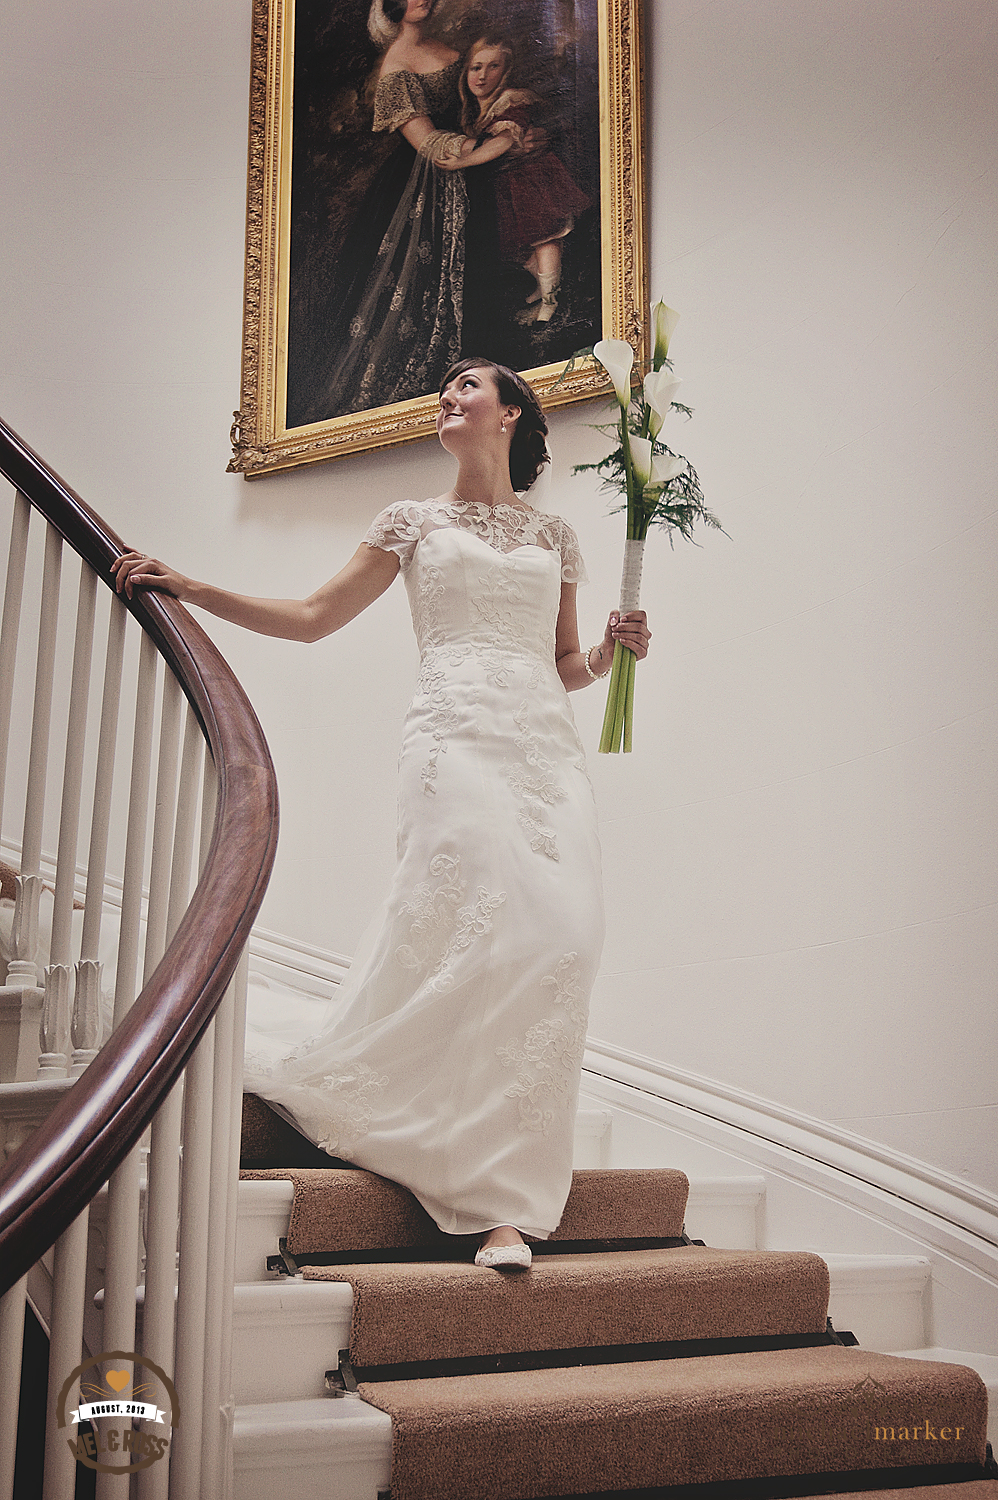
point(135, 570)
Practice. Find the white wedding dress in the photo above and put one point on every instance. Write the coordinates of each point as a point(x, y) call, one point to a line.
point(450, 1059)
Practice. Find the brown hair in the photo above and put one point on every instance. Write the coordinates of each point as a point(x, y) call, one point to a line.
point(528, 451)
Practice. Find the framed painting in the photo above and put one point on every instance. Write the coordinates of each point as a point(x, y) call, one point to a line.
point(428, 180)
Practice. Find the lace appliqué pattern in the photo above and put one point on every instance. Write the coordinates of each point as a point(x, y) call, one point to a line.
point(503, 527)
point(434, 909)
point(347, 1101)
point(433, 676)
point(536, 785)
point(548, 1062)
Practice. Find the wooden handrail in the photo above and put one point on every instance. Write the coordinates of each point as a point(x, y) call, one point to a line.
point(58, 1170)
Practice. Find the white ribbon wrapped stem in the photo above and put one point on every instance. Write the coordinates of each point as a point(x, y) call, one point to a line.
point(630, 579)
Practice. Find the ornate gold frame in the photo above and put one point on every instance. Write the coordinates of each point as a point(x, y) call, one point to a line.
point(261, 443)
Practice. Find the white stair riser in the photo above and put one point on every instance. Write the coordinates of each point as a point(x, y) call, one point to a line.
point(322, 1450)
point(724, 1212)
point(285, 1336)
point(882, 1299)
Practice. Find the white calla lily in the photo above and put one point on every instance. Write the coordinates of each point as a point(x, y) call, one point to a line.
point(666, 468)
point(663, 322)
point(617, 358)
point(660, 391)
point(641, 460)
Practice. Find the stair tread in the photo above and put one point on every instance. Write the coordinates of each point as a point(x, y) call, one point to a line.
point(427, 1311)
point(342, 1210)
point(682, 1421)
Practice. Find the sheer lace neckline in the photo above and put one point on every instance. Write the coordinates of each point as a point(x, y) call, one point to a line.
point(503, 527)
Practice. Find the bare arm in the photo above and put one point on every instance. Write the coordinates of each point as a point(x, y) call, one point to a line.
point(631, 629)
point(419, 129)
point(365, 578)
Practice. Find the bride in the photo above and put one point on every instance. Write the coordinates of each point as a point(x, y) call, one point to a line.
point(450, 1059)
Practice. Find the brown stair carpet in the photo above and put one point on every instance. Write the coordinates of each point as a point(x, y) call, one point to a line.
point(726, 1417)
point(267, 1140)
point(406, 1313)
point(970, 1489)
point(339, 1211)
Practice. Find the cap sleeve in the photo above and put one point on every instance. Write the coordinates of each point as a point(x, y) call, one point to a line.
point(573, 569)
point(398, 98)
point(397, 529)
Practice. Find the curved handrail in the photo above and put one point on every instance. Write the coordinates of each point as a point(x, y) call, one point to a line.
point(58, 1170)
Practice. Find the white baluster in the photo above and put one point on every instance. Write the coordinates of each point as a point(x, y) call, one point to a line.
point(69, 1277)
point(135, 837)
point(103, 784)
point(11, 1343)
point(186, 1469)
point(124, 1190)
point(229, 1050)
point(218, 1405)
point(53, 1063)
point(9, 629)
point(22, 973)
point(26, 924)
point(163, 1193)
point(84, 1031)
point(52, 1030)
point(41, 717)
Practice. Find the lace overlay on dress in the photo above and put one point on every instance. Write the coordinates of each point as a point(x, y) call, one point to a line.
point(347, 1101)
point(503, 527)
point(548, 1061)
point(441, 927)
point(402, 95)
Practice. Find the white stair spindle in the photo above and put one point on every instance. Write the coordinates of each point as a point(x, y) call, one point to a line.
point(59, 973)
point(89, 968)
point(10, 627)
point(135, 837)
point(123, 1211)
point(65, 1345)
point(237, 998)
point(216, 1434)
point(163, 1192)
point(186, 1464)
point(195, 1211)
point(121, 1279)
point(187, 810)
point(22, 972)
point(162, 1206)
point(158, 907)
point(41, 718)
point(11, 1343)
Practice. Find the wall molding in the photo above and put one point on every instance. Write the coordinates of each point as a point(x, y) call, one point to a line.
point(927, 1189)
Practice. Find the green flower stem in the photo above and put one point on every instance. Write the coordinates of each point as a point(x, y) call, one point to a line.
point(632, 662)
point(606, 744)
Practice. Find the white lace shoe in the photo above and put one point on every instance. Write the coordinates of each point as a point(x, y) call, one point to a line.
point(504, 1257)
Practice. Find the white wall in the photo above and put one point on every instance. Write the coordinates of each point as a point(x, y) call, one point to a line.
point(800, 852)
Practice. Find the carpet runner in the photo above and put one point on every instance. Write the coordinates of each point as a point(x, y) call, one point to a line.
point(625, 1361)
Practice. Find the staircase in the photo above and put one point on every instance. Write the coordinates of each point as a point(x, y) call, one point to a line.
point(137, 1078)
point(417, 1337)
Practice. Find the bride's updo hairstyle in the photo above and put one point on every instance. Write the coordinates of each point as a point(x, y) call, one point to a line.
point(528, 452)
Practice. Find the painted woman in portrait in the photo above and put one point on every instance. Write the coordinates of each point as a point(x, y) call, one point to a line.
point(395, 323)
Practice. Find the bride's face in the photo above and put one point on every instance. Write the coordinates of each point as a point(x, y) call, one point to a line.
point(470, 408)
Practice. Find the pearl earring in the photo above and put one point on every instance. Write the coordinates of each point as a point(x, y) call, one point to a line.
point(503, 427)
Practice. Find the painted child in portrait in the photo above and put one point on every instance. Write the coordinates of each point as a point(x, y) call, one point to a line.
point(537, 201)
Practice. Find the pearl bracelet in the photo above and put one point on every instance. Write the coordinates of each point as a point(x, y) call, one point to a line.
point(595, 675)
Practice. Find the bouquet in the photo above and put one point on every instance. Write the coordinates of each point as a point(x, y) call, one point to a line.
point(660, 488)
